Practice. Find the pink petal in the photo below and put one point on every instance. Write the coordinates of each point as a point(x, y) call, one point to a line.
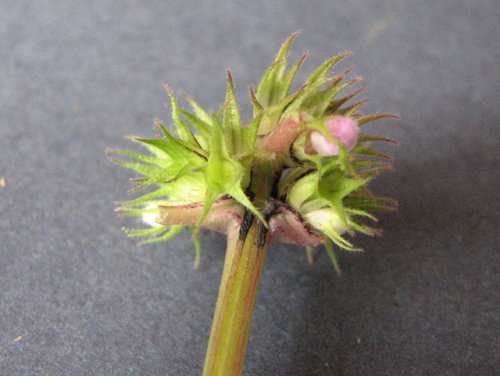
point(343, 128)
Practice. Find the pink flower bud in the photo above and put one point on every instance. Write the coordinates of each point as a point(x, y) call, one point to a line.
point(343, 128)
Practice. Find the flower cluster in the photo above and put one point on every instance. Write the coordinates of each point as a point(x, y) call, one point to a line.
point(301, 165)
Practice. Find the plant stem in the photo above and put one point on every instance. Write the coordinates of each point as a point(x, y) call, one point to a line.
point(245, 257)
point(247, 244)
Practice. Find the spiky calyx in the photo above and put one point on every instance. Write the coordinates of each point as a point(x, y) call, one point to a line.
point(301, 165)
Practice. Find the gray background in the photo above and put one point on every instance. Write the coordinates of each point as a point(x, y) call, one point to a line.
point(79, 298)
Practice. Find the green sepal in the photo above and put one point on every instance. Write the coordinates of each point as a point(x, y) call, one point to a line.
point(172, 232)
point(352, 110)
point(270, 89)
point(310, 254)
point(318, 103)
point(199, 111)
point(231, 119)
point(368, 138)
point(210, 198)
point(331, 254)
point(363, 229)
point(363, 150)
point(223, 175)
point(272, 114)
point(303, 189)
point(362, 120)
point(256, 105)
point(361, 213)
point(143, 232)
point(164, 175)
point(203, 129)
point(322, 71)
point(339, 240)
point(291, 177)
point(333, 185)
point(197, 248)
point(193, 146)
point(370, 203)
point(290, 75)
point(141, 168)
point(304, 93)
point(133, 212)
point(146, 198)
point(249, 136)
point(182, 127)
point(140, 157)
point(337, 103)
point(174, 149)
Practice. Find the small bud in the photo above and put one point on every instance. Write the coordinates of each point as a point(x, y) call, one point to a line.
point(343, 128)
point(326, 220)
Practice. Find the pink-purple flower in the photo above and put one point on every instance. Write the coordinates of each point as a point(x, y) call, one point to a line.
point(343, 128)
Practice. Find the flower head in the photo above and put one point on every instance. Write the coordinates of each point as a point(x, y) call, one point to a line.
point(301, 165)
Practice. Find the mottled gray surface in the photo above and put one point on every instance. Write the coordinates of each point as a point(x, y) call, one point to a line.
point(79, 298)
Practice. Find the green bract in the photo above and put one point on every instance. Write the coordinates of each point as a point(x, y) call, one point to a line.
point(201, 171)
